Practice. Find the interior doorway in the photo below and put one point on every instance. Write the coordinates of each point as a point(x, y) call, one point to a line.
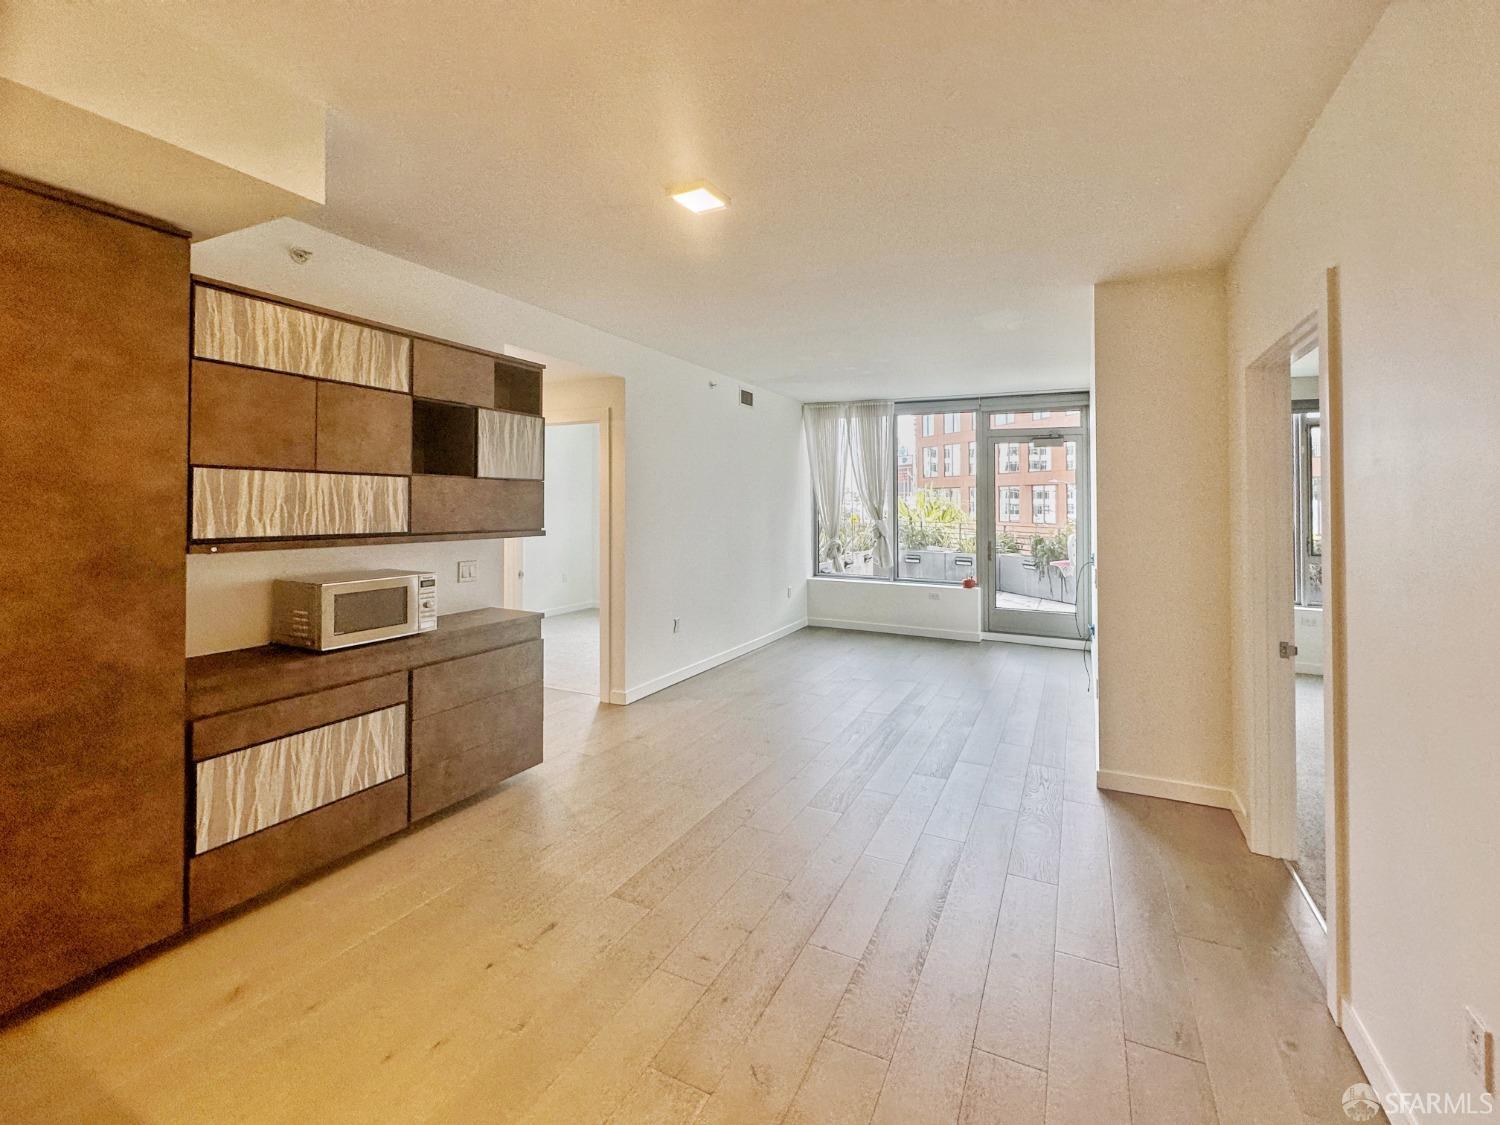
point(560, 572)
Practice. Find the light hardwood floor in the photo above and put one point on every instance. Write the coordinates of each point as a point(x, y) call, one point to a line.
point(847, 878)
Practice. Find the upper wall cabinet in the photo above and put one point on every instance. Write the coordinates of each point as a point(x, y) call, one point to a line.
point(309, 428)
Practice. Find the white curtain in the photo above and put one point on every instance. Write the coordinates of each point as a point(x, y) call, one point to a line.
point(827, 453)
point(870, 439)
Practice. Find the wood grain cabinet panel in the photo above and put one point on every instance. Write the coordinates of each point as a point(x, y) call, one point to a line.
point(259, 503)
point(236, 328)
point(251, 419)
point(234, 730)
point(452, 374)
point(251, 789)
point(441, 504)
point(93, 444)
point(362, 430)
point(453, 683)
point(240, 871)
point(510, 445)
point(465, 750)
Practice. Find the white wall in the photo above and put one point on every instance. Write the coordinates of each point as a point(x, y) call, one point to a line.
point(718, 507)
point(894, 607)
point(1162, 515)
point(1396, 185)
point(229, 595)
point(562, 567)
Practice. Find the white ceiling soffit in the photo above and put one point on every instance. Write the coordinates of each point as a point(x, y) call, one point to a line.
point(922, 195)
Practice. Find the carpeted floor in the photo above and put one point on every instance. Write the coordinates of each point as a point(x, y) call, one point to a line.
point(1311, 865)
point(571, 651)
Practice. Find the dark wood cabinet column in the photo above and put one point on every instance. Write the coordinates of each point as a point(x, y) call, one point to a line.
point(93, 437)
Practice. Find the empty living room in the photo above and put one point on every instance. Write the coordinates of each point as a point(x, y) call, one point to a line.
point(825, 562)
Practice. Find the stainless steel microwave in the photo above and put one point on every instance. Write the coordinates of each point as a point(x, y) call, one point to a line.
point(329, 611)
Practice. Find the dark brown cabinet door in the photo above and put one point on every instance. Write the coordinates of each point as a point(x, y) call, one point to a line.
point(93, 359)
point(362, 430)
point(441, 504)
point(452, 374)
point(243, 418)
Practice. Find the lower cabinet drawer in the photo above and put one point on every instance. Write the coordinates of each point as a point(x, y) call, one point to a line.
point(240, 871)
point(467, 749)
point(247, 791)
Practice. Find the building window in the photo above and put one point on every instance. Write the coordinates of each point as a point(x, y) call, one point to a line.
point(973, 458)
point(998, 420)
point(972, 491)
point(1307, 479)
point(1038, 415)
point(1044, 503)
point(929, 461)
point(1041, 458)
point(950, 460)
point(1072, 448)
point(1072, 504)
point(1009, 457)
point(1008, 505)
point(928, 421)
point(951, 423)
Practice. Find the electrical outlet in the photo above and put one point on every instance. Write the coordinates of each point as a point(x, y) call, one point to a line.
point(466, 570)
point(1479, 1046)
point(934, 597)
point(676, 624)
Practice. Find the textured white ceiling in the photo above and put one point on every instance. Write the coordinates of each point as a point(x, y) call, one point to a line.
point(923, 192)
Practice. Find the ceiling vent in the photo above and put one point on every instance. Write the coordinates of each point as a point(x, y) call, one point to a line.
point(747, 398)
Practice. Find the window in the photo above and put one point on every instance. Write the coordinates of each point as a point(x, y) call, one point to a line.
point(1008, 505)
point(1072, 503)
point(1041, 458)
point(1072, 448)
point(1307, 479)
point(998, 420)
point(929, 461)
point(1038, 415)
point(1044, 503)
point(927, 424)
point(973, 458)
point(935, 525)
point(951, 423)
point(950, 460)
point(1008, 458)
point(972, 491)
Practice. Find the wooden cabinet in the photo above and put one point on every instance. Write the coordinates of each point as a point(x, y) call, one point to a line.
point(301, 758)
point(310, 428)
point(440, 371)
point(93, 321)
point(362, 430)
point(249, 419)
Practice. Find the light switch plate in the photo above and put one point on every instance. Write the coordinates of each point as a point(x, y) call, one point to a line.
point(466, 570)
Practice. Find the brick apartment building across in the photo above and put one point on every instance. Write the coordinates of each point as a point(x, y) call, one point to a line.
point(1035, 488)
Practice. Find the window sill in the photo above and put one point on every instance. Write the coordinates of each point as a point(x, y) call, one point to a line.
point(907, 582)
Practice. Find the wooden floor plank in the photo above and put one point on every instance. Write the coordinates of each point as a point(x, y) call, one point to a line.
point(1039, 826)
point(998, 1090)
point(851, 920)
point(1016, 1016)
point(840, 1088)
point(1086, 1076)
point(1167, 1089)
point(1085, 898)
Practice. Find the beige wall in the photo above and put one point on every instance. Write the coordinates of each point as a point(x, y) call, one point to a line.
point(1396, 185)
point(1162, 536)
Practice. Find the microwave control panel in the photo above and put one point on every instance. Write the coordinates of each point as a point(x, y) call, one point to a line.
point(426, 602)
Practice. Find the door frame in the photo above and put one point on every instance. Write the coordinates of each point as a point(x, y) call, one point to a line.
point(599, 401)
point(1073, 626)
point(1268, 617)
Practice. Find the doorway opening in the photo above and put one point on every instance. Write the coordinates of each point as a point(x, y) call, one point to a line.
point(560, 571)
point(1310, 865)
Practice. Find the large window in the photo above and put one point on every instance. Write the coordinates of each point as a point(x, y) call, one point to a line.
point(935, 527)
point(1307, 476)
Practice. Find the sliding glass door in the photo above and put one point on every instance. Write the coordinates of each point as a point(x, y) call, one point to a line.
point(1034, 520)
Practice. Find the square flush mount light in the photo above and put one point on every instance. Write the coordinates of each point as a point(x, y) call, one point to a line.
point(699, 197)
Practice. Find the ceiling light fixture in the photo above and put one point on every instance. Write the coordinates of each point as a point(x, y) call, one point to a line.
point(699, 197)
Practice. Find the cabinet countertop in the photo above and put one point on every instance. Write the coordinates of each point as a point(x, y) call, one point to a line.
point(246, 677)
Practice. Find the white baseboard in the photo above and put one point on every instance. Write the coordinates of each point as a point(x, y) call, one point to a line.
point(650, 687)
point(898, 630)
point(558, 611)
point(1191, 792)
point(1241, 817)
point(1376, 1072)
point(1309, 668)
